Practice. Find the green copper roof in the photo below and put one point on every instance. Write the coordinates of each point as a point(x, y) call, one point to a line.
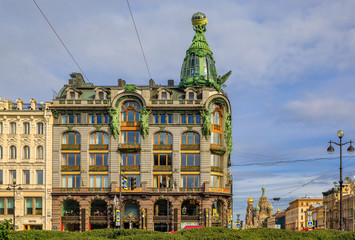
point(198, 68)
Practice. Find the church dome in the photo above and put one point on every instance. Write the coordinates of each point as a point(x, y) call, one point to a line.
point(250, 200)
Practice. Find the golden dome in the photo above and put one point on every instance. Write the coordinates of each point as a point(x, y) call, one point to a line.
point(250, 200)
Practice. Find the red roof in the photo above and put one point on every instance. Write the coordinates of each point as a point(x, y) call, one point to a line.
point(189, 227)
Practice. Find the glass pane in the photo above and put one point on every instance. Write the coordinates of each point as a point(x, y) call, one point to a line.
point(156, 138)
point(71, 136)
point(98, 180)
point(190, 118)
point(156, 119)
point(124, 136)
point(105, 181)
point(64, 119)
point(77, 181)
point(2, 206)
point(29, 206)
point(212, 160)
point(130, 159)
point(162, 119)
point(198, 119)
point(138, 180)
point(155, 181)
point(130, 137)
point(197, 139)
point(170, 118)
point(169, 159)
point(130, 115)
point(107, 118)
point(163, 159)
point(124, 116)
point(92, 138)
point(64, 181)
point(71, 159)
point(99, 118)
point(124, 155)
point(138, 115)
point(92, 159)
point(71, 118)
point(183, 119)
point(98, 159)
point(138, 159)
point(190, 159)
point(163, 138)
point(183, 140)
point(183, 181)
point(197, 159)
point(71, 181)
point(170, 139)
point(197, 181)
point(10, 206)
point(105, 138)
point(105, 159)
point(91, 118)
point(183, 159)
point(78, 118)
point(92, 181)
point(156, 157)
point(190, 181)
point(190, 138)
point(39, 176)
point(138, 137)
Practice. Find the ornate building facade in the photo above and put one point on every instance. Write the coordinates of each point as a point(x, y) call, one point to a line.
point(255, 216)
point(173, 140)
point(25, 164)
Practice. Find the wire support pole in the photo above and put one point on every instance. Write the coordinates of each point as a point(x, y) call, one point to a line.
point(139, 40)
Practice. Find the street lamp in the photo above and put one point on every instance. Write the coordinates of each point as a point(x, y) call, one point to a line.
point(330, 149)
point(13, 186)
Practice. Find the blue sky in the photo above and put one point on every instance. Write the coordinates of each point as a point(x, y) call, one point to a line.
point(292, 86)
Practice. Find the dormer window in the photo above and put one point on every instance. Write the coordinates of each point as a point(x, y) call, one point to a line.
point(164, 95)
point(101, 95)
point(191, 96)
point(72, 95)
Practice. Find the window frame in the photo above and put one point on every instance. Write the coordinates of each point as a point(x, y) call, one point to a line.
point(124, 138)
point(194, 138)
point(76, 137)
point(6, 199)
point(26, 128)
point(166, 136)
point(186, 161)
point(184, 176)
point(13, 128)
point(130, 107)
point(40, 128)
point(103, 138)
point(13, 152)
point(158, 177)
point(75, 156)
point(34, 212)
point(159, 160)
point(26, 154)
point(125, 161)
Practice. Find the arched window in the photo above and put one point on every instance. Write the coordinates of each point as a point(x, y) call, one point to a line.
point(26, 152)
point(161, 208)
point(216, 124)
point(1, 152)
point(98, 208)
point(216, 209)
point(163, 138)
point(71, 138)
point(190, 138)
point(131, 208)
point(190, 208)
point(26, 128)
point(39, 128)
point(99, 138)
point(13, 152)
point(40, 152)
point(70, 208)
point(13, 128)
point(130, 111)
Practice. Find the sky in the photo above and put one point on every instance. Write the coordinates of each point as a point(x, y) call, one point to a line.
point(291, 88)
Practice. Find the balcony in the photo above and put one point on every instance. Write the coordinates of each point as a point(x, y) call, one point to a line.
point(190, 217)
point(216, 169)
point(190, 168)
point(164, 168)
point(190, 147)
point(98, 218)
point(98, 168)
point(162, 147)
point(71, 147)
point(70, 218)
point(129, 147)
point(162, 218)
point(100, 147)
point(80, 102)
point(66, 168)
point(130, 124)
point(130, 168)
point(217, 149)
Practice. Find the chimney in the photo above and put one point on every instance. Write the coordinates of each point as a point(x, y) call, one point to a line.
point(33, 104)
point(171, 83)
point(19, 104)
point(151, 83)
point(121, 82)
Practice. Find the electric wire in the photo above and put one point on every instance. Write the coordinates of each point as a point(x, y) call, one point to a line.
point(55, 32)
point(139, 40)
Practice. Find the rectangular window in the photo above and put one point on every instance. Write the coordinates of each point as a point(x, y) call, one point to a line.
point(33, 206)
point(131, 159)
point(70, 159)
point(72, 95)
point(1, 128)
point(99, 181)
point(191, 96)
point(155, 119)
point(98, 118)
point(38, 206)
point(164, 95)
point(12, 128)
point(162, 159)
point(39, 128)
point(91, 118)
point(190, 159)
point(2, 206)
point(9, 206)
point(216, 181)
point(170, 118)
point(162, 119)
point(26, 128)
point(29, 206)
point(198, 119)
point(161, 181)
point(216, 160)
point(107, 118)
point(71, 181)
point(1, 177)
point(190, 119)
point(39, 176)
point(78, 118)
point(101, 95)
point(190, 181)
point(183, 118)
point(12, 176)
point(26, 176)
point(71, 118)
point(98, 159)
point(64, 119)
point(131, 137)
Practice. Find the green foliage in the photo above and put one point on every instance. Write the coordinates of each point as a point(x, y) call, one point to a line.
point(130, 88)
point(145, 122)
point(191, 234)
point(5, 229)
point(206, 122)
point(228, 133)
point(55, 113)
point(115, 122)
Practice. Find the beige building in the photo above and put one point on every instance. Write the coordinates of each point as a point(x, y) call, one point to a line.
point(25, 159)
point(317, 216)
point(296, 213)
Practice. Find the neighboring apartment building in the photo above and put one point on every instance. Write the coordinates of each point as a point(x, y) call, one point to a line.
point(25, 160)
point(317, 216)
point(331, 206)
point(295, 215)
point(173, 140)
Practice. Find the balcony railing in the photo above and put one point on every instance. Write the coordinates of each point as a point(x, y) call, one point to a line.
point(98, 218)
point(162, 147)
point(130, 124)
point(70, 218)
point(162, 218)
point(163, 102)
point(70, 147)
point(70, 168)
point(218, 149)
point(190, 147)
point(129, 147)
point(190, 217)
point(98, 168)
point(98, 147)
point(190, 189)
point(190, 168)
point(164, 168)
point(96, 102)
point(130, 168)
point(216, 169)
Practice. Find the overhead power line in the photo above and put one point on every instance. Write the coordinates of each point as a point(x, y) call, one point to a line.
point(139, 40)
point(72, 57)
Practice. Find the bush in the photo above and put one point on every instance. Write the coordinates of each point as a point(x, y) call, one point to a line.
point(5, 229)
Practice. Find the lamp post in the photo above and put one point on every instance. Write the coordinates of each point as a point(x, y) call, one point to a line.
point(13, 186)
point(330, 149)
